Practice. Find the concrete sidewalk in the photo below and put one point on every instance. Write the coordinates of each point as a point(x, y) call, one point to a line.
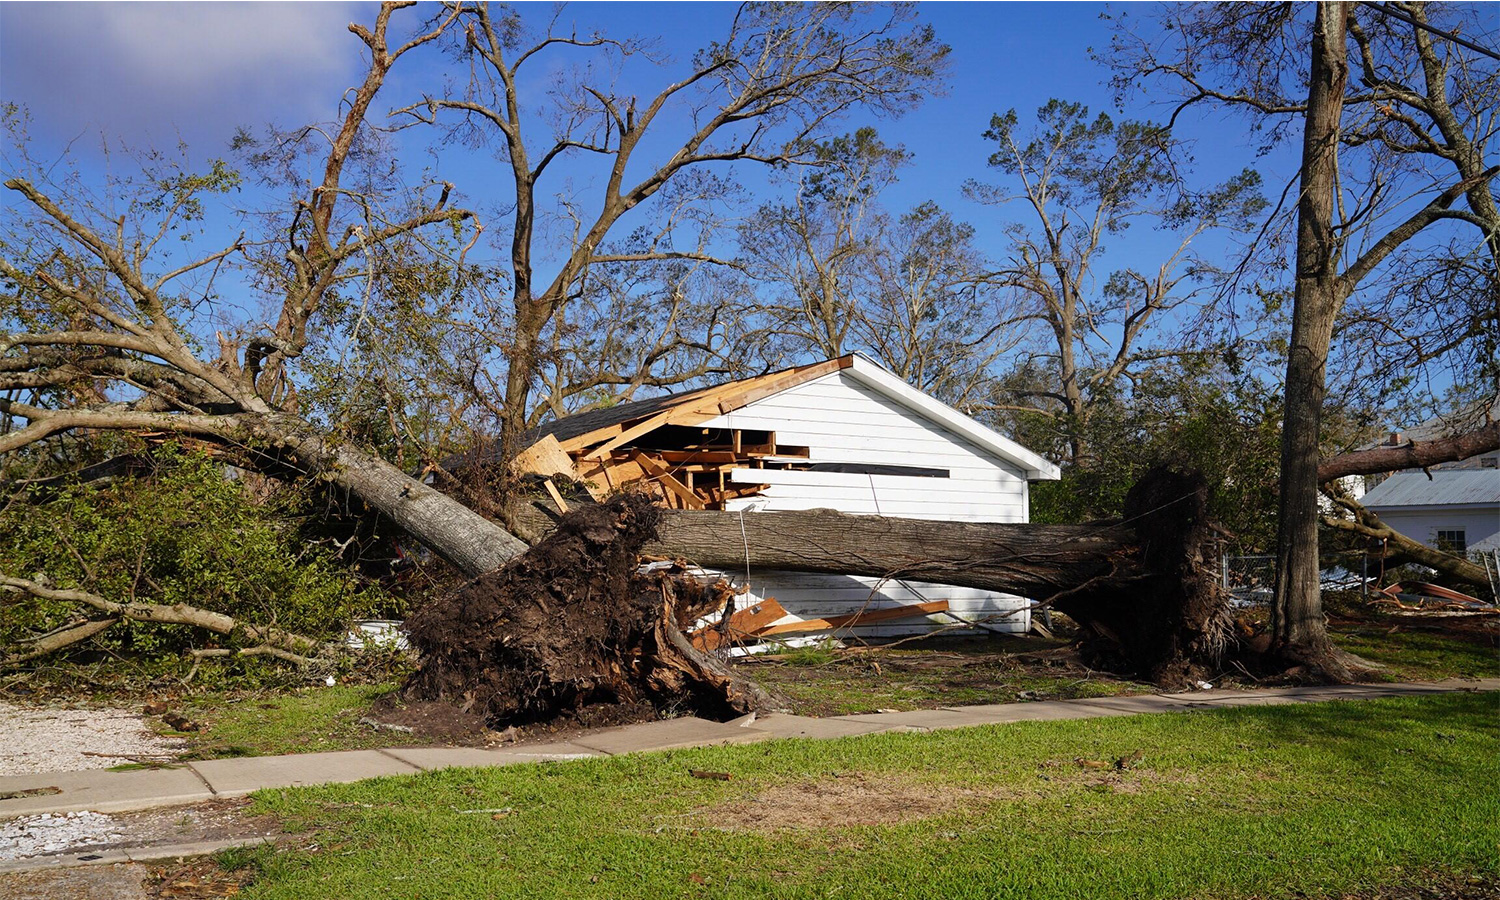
point(108, 792)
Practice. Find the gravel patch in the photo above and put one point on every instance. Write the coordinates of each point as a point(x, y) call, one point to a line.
point(68, 834)
point(54, 833)
point(52, 739)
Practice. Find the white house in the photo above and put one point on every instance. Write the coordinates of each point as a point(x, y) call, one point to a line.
point(1456, 508)
point(844, 434)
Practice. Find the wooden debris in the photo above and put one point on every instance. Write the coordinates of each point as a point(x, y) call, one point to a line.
point(712, 776)
point(658, 451)
point(744, 623)
point(545, 457)
point(861, 618)
point(562, 505)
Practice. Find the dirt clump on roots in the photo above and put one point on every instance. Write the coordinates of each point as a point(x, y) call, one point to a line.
point(1174, 627)
point(577, 629)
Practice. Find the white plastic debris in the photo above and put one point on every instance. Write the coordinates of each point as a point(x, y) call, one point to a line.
point(373, 633)
point(1205, 686)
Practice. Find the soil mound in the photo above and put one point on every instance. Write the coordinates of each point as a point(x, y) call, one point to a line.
point(576, 623)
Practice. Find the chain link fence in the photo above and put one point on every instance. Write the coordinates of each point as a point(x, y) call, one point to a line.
point(1249, 580)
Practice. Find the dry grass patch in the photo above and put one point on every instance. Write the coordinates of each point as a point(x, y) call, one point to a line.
point(844, 801)
point(852, 800)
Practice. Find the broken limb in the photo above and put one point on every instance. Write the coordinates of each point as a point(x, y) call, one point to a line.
point(1397, 545)
point(56, 640)
point(284, 642)
point(1412, 455)
point(263, 650)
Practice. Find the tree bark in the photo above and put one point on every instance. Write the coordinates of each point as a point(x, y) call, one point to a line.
point(1414, 455)
point(161, 614)
point(1036, 561)
point(1144, 594)
point(1367, 524)
point(1298, 631)
point(473, 544)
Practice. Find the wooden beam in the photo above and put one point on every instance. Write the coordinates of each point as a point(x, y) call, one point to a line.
point(757, 388)
point(664, 477)
point(643, 427)
point(562, 505)
point(862, 618)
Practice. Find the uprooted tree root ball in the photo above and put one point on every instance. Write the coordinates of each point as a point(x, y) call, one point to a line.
point(1169, 620)
point(575, 624)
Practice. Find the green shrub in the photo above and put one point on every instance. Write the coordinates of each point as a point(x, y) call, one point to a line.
point(189, 532)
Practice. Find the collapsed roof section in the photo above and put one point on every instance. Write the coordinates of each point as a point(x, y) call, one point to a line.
point(663, 444)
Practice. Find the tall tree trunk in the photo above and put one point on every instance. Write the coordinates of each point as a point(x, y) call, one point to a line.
point(1297, 626)
point(521, 369)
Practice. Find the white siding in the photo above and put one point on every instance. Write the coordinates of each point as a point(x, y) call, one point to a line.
point(841, 420)
point(1478, 523)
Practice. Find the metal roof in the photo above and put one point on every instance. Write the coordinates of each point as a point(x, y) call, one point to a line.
point(1446, 487)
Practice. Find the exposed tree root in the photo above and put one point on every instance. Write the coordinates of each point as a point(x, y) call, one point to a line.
point(575, 624)
point(1164, 614)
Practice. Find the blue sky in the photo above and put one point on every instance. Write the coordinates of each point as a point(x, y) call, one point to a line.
point(151, 74)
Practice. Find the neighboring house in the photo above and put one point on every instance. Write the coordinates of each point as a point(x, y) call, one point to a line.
point(1457, 509)
point(844, 434)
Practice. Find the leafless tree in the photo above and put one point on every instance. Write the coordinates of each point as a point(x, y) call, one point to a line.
point(1078, 180)
point(763, 93)
point(814, 253)
point(936, 315)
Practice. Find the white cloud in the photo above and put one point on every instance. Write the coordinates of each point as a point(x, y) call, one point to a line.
point(149, 71)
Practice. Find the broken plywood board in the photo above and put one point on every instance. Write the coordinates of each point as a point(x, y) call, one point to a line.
point(741, 624)
point(547, 458)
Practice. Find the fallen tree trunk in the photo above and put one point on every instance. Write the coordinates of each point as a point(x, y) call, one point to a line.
point(1035, 561)
point(1143, 591)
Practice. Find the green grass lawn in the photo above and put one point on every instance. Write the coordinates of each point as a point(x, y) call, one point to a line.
point(310, 720)
point(830, 684)
point(1274, 802)
point(818, 683)
point(1421, 655)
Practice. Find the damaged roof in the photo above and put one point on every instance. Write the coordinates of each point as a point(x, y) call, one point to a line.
point(603, 429)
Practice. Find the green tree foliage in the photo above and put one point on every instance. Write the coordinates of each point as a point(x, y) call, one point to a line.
point(181, 532)
point(1189, 415)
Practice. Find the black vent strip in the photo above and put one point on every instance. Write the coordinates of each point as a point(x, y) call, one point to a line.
point(873, 469)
